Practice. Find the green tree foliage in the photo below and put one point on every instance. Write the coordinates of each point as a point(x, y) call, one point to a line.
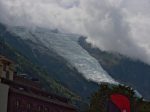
point(99, 100)
point(143, 106)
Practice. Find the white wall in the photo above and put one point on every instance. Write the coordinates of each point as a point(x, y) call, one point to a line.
point(3, 97)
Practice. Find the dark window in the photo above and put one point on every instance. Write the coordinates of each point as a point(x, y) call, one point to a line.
point(40, 109)
point(7, 75)
point(17, 103)
point(4, 67)
point(28, 106)
point(46, 109)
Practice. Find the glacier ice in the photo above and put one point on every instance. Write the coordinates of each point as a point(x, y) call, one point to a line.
point(66, 45)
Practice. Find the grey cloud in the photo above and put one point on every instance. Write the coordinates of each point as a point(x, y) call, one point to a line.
point(121, 26)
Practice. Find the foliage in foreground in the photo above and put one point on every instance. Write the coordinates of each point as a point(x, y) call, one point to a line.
point(99, 100)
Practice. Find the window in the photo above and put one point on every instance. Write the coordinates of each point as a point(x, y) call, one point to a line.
point(46, 109)
point(7, 75)
point(28, 106)
point(4, 67)
point(17, 103)
point(40, 109)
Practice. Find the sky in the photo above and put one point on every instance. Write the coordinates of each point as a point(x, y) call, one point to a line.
point(121, 26)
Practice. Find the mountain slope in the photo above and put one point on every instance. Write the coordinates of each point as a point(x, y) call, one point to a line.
point(66, 46)
point(24, 65)
point(50, 61)
point(121, 68)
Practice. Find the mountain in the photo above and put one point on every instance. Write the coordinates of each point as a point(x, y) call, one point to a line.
point(34, 71)
point(66, 46)
point(48, 51)
point(72, 63)
point(123, 69)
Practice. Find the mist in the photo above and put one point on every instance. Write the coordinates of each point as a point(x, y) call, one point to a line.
point(121, 26)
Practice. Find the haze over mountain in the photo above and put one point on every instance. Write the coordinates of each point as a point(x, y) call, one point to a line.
point(70, 60)
point(64, 63)
point(123, 69)
point(121, 26)
point(66, 45)
point(115, 26)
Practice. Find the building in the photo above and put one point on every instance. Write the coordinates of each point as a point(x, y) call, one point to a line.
point(6, 68)
point(18, 94)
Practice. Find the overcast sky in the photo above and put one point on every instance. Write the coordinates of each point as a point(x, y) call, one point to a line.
point(121, 26)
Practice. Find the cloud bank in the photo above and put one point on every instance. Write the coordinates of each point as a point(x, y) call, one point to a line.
point(121, 26)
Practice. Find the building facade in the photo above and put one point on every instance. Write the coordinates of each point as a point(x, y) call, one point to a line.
point(4, 89)
point(22, 95)
point(6, 68)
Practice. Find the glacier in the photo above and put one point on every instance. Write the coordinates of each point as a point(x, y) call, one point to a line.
point(66, 45)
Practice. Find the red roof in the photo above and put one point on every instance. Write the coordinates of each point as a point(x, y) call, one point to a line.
point(121, 101)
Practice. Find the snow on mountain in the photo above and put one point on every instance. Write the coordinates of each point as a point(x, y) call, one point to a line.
point(65, 45)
